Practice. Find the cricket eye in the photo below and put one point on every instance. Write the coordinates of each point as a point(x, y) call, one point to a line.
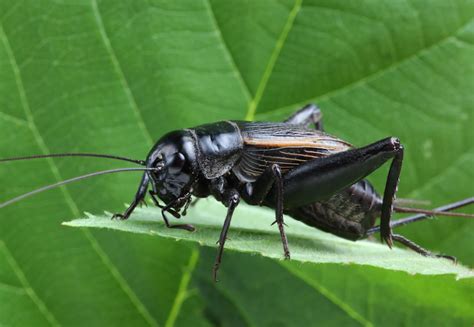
point(177, 163)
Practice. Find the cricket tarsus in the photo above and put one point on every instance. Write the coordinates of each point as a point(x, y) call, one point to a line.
point(418, 249)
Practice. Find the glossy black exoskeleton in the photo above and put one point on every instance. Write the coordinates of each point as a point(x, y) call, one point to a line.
point(291, 167)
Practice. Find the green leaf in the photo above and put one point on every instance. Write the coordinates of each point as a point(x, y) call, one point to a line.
point(112, 77)
point(329, 294)
point(252, 232)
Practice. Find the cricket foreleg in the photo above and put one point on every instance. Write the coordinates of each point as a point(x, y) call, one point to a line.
point(139, 198)
point(187, 227)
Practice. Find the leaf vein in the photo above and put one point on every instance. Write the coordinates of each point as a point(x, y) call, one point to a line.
point(23, 279)
point(364, 80)
point(272, 61)
point(351, 312)
point(440, 175)
point(12, 288)
point(27, 286)
point(238, 74)
point(182, 288)
point(238, 308)
point(15, 120)
point(418, 20)
point(120, 73)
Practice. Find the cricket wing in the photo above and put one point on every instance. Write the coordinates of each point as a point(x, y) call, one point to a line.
point(286, 145)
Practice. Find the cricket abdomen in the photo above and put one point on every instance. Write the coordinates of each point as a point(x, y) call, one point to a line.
point(348, 214)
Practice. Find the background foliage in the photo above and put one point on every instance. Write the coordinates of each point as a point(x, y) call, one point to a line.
point(108, 76)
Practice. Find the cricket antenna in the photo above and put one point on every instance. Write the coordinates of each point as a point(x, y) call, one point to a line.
point(74, 154)
point(432, 212)
point(71, 180)
point(425, 214)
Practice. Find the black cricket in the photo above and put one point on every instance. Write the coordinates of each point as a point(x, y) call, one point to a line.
point(293, 167)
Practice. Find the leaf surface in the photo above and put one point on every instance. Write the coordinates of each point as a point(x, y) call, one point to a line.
point(252, 232)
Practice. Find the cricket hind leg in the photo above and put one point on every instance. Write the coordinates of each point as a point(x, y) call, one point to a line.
point(318, 179)
point(309, 114)
point(408, 220)
point(391, 188)
point(418, 249)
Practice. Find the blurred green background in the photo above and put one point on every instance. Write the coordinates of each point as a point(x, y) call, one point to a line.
point(113, 76)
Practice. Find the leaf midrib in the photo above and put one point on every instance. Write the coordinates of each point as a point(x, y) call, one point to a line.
point(280, 42)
